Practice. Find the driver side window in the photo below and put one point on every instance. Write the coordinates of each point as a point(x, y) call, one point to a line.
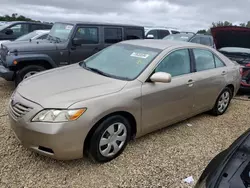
point(20, 29)
point(177, 63)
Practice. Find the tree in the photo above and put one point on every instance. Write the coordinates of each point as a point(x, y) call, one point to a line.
point(15, 17)
point(221, 24)
point(242, 25)
point(203, 31)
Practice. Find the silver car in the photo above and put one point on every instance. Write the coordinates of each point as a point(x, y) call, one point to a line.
point(126, 90)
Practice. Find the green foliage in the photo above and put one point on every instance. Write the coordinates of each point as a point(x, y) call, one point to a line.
point(221, 24)
point(15, 17)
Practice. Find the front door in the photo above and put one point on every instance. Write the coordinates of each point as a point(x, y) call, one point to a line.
point(91, 45)
point(19, 30)
point(166, 103)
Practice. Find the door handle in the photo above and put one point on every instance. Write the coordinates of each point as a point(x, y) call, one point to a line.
point(190, 83)
point(223, 73)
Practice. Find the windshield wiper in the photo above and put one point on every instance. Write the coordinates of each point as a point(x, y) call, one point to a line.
point(58, 40)
point(97, 71)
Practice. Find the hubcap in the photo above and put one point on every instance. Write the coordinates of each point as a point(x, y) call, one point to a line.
point(223, 101)
point(29, 74)
point(113, 139)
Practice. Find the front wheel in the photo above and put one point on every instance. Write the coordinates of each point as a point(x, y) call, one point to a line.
point(109, 139)
point(27, 72)
point(222, 102)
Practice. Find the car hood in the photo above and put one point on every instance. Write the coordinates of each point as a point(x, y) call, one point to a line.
point(4, 41)
point(62, 87)
point(231, 36)
point(28, 46)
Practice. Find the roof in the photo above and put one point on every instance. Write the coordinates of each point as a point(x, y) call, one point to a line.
point(14, 22)
point(99, 23)
point(160, 44)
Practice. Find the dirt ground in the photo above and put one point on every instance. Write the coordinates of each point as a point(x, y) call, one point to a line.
point(161, 159)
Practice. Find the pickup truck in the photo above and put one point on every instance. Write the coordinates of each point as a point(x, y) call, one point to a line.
point(67, 43)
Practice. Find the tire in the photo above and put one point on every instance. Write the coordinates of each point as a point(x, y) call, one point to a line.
point(222, 104)
point(107, 152)
point(24, 72)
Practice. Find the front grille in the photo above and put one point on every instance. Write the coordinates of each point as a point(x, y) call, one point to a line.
point(3, 53)
point(19, 110)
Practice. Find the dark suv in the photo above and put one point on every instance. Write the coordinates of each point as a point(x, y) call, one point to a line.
point(192, 37)
point(66, 43)
point(13, 30)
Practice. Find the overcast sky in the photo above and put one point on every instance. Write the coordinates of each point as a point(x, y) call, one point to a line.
point(188, 15)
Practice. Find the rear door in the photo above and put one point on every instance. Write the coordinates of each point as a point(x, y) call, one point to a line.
point(209, 79)
point(91, 45)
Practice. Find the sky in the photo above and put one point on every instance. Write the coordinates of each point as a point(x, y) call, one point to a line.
point(188, 15)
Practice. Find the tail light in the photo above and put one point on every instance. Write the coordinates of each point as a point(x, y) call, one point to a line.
point(241, 71)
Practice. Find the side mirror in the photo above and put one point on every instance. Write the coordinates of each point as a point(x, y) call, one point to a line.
point(150, 36)
point(77, 41)
point(161, 77)
point(8, 31)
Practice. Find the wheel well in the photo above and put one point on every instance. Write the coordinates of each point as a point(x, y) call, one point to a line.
point(230, 86)
point(42, 63)
point(126, 115)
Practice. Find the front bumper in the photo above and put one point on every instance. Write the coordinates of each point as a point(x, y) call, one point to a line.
point(62, 141)
point(6, 73)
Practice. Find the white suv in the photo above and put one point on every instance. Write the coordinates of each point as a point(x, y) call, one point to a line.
point(159, 32)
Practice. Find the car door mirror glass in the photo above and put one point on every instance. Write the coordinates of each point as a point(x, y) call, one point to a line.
point(8, 31)
point(150, 36)
point(161, 77)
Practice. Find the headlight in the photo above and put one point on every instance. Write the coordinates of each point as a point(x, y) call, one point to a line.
point(54, 115)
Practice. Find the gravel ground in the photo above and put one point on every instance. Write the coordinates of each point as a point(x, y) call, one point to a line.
point(160, 159)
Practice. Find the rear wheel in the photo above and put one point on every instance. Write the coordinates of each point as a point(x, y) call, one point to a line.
point(109, 139)
point(222, 102)
point(27, 72)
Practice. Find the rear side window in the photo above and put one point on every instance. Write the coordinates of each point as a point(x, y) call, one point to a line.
point(36, 27)
point(204, 60)
point(154, 33)
point(47, 26)
point(174, 32)
point(131, 33)
point(206, 41)
point(218, 62)
point(112, 35)
point(162, 33)
point(196, 40)
point(88, 34)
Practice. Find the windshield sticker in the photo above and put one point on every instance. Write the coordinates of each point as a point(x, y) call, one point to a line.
point(139, 55)
point(183, 37)
point(139, 62)
point(69, 27)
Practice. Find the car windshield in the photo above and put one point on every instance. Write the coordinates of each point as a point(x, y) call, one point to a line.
point(27, 37)
point(2, 27)
point(121, 61)
point(60, 32)
point(179, 37)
